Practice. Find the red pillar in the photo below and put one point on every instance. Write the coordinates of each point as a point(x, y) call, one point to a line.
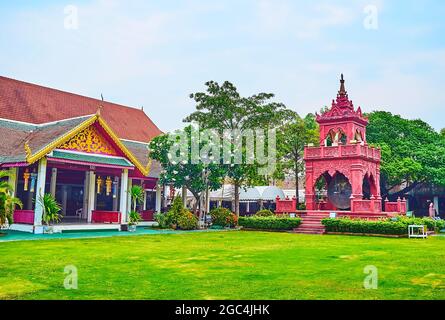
point(310, 189)
point(357, 181)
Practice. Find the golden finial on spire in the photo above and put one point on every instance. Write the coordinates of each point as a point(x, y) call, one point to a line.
point(342, 90)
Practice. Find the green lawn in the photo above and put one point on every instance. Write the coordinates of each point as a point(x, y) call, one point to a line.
point(224, 265)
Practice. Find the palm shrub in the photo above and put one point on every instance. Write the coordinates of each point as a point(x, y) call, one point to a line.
point(7, 201)
point(134, 218)
point(137, 197)
point(51, 209)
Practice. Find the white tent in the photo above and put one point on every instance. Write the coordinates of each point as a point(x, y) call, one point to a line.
point(249, 194)
point(270, 193)
point(266, 193)
point(226, 193)
point(291, 193)
point(223, 194)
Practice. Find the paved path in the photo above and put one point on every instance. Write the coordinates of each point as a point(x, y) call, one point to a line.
point(24, 236)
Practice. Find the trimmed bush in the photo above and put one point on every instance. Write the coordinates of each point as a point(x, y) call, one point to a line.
point(264, 213)
point(365, 226)
point(269, 223)
point(177, 217)
point(232, 220)
point(223, 217)
point(391, 226)
point(187, 221)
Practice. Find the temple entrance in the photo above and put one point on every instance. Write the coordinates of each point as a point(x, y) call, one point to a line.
point(70, 194)
point(71, 190)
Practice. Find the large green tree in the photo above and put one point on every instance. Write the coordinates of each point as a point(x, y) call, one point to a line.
point(292, 137)
point(221, 107)
point(197, 177)
point(412, 152)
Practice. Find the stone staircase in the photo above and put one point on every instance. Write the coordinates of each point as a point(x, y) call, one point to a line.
point(311, 223)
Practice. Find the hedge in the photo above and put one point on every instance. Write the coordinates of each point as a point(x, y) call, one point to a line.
point(269, 223)
point(395, 226)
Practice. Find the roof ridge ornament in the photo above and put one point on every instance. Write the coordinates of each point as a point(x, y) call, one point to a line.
point(99, 110)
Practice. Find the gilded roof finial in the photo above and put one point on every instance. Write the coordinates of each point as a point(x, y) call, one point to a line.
point(28, 151)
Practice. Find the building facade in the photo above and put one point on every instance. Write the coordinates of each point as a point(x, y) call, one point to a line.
point(86, 152)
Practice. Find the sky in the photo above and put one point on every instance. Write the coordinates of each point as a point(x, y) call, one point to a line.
point(153, 54)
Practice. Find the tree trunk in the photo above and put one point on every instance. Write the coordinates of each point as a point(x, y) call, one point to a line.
point(184, 195)
point(207, 201)
point(197, 198)
point(237, 199)
point(297, 184)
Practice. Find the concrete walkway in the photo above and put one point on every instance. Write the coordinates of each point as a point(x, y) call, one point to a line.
point(25, 236)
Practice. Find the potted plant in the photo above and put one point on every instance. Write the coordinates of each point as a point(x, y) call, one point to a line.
point(133, 219)
point(7, 202)
point(137, 197)
point(51, 211)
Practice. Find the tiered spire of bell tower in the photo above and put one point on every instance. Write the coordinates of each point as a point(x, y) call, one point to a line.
point(342, 108)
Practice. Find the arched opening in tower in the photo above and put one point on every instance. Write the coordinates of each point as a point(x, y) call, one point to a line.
point(339, 191)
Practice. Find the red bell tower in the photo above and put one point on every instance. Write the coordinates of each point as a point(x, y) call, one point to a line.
point(348, 165)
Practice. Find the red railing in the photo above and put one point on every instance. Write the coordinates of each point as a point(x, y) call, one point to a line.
point(286, 205)
point(147, 215)
point(366, 206)
point(353, 150)
point(23, 216)
point(396, 207)
point(105, 216)
point(324, 205)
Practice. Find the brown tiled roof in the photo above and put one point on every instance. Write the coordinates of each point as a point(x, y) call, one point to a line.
point(140, 151)
point(14, 135)
point(30, 103)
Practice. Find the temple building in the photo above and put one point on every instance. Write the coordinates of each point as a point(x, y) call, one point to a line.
point(85, 152)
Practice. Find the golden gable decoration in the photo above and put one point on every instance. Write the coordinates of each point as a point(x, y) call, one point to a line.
point(91, 141)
